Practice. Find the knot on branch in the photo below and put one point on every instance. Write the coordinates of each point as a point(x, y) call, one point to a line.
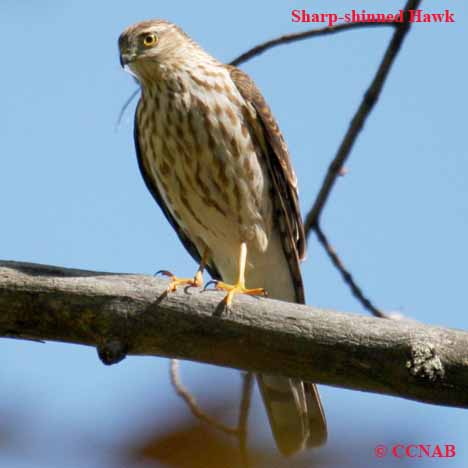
point(112, 351)
point(425, 363)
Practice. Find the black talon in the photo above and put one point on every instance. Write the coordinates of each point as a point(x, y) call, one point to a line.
point(215, 282)
point(164, 273)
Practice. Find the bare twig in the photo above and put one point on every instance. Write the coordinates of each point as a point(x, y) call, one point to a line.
point(312, 220)
point(370, 98)
point(242, 426)
point(347, 277)
point(125, 106)
point(247, 385)
point(288, 38)
point(192, 404)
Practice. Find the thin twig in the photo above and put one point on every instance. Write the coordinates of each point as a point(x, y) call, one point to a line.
point(287, 38)
point(347, 277)
point(369, 100)
point(125, 106)
point(241, 430)
point(192, 404)
point(247, 385)
point(312, 220)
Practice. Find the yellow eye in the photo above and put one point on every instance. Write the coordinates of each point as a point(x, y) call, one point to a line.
point(150, 40)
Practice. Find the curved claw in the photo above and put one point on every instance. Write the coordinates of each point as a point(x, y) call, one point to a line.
point(215, 282)
point(175, 282)
point(164, 273)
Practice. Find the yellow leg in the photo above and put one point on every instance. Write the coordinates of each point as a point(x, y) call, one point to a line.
point(239, 287)
point(196, 281)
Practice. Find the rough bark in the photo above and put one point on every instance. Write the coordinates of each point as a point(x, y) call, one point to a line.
point(130, 314)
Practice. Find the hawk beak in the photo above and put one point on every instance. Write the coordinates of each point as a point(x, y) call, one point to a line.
point(126, 58)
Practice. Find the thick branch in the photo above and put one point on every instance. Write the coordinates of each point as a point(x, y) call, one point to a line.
point(121, 313)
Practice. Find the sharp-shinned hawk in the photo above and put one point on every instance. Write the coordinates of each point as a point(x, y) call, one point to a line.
point(214, 159)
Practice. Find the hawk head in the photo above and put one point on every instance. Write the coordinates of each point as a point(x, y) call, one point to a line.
point(152, 45)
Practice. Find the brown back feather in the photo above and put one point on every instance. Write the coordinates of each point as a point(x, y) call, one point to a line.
point(285, 194)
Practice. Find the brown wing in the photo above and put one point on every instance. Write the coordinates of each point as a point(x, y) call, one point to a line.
point(187, 243)
point(281, 173)
point(294, 409)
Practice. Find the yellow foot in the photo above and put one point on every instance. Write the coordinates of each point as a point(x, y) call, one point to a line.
point(238, 289)
point(196, 281)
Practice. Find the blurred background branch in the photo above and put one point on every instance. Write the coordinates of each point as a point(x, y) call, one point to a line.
point(240, 431)
point(131, 314)
point(193, 405)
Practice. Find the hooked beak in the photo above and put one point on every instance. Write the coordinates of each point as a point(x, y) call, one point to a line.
point(126, 58)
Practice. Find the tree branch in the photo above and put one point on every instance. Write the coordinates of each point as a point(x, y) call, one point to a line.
point(121, 313)
point(300, 36)
point(193, 405)
point(246, 398)
point(369, 100)
point(346, 275)
point(336, 167)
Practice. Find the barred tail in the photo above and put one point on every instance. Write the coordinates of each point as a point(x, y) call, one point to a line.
point(295, 413)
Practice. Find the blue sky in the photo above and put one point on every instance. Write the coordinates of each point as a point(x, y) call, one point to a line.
point(72, 196)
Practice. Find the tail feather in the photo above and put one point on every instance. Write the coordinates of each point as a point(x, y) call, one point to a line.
point(294, 411)
point(315, 416)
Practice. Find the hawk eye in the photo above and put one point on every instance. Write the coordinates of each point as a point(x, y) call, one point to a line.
point(150, 40)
